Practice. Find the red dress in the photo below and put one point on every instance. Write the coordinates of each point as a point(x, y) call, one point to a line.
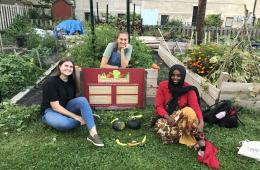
point(163, 96)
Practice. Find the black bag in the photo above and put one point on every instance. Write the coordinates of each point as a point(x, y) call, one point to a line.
point(222, 113)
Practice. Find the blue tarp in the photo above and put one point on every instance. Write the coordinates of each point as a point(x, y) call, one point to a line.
point(70, 27)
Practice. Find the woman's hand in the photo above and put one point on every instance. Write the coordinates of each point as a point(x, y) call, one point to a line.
point(170, 120)
point(80, 119)
point(201, 126)
point(122, 50)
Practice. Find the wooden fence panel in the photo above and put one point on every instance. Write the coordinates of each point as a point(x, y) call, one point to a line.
point(9, 12)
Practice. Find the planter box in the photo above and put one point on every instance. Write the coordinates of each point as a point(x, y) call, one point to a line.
point(245, 94)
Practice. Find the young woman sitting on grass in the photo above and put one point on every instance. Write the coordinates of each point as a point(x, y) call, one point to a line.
point(118, 53)
point(61, 109)
point(177, 105)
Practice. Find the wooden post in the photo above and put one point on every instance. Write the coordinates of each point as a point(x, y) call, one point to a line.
point(1, 43)
point(191, 37)
point(224, 76)
point(205, 36)
point(164, 40)
point(217, 37)
point(209, 37)
point(38, 57)
point(196, 37)
point(78, 80)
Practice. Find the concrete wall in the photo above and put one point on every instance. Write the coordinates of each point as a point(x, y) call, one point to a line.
point(177, 9)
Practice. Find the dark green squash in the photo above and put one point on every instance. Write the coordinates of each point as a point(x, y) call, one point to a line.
point(118, 125)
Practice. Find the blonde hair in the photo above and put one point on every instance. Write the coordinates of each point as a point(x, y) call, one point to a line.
point(117, 36)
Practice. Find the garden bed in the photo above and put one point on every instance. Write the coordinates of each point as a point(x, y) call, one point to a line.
point(245, 94)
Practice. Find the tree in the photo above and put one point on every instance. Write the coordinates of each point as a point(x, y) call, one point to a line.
point(200, 20)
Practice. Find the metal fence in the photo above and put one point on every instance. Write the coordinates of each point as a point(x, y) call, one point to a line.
point(212, 32)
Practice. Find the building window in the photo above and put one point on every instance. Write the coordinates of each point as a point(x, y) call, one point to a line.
point(194, 16)
point(229, 21)
point(87, 16)
point(164, 19)
point(121, 15)
point(257, 22)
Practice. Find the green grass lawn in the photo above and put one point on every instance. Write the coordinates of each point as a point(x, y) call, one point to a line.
point(40, 147)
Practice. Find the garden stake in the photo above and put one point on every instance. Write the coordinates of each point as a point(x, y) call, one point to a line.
point(209, 37)
point(196, 37)
point(191, 37)
point(38, 57)
point(217, 37)
point(205, 38)
point(1, 44)
point(164, 40)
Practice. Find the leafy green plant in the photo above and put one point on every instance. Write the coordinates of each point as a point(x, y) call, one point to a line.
point(141, 55)
point(50, 43)
point(213, 20)
point(16, 73)
point(33, 41)
point(34, 13)
point(242, 66)
point(16, 118)
point(19, 27)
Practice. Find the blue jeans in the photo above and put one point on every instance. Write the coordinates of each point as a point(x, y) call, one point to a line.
point(63, 123)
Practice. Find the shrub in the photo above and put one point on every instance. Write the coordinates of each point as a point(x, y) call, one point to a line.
point(141, 55)
point(19, 27)
point(50, 43)
point(84, 55)
point(33, 41)
point(213, 20)
point(174, 22)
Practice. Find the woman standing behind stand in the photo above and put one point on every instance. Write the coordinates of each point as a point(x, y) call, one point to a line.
point(117, 54)
point(61, 109)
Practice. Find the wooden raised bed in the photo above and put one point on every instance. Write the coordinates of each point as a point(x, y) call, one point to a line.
point(245, 94)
